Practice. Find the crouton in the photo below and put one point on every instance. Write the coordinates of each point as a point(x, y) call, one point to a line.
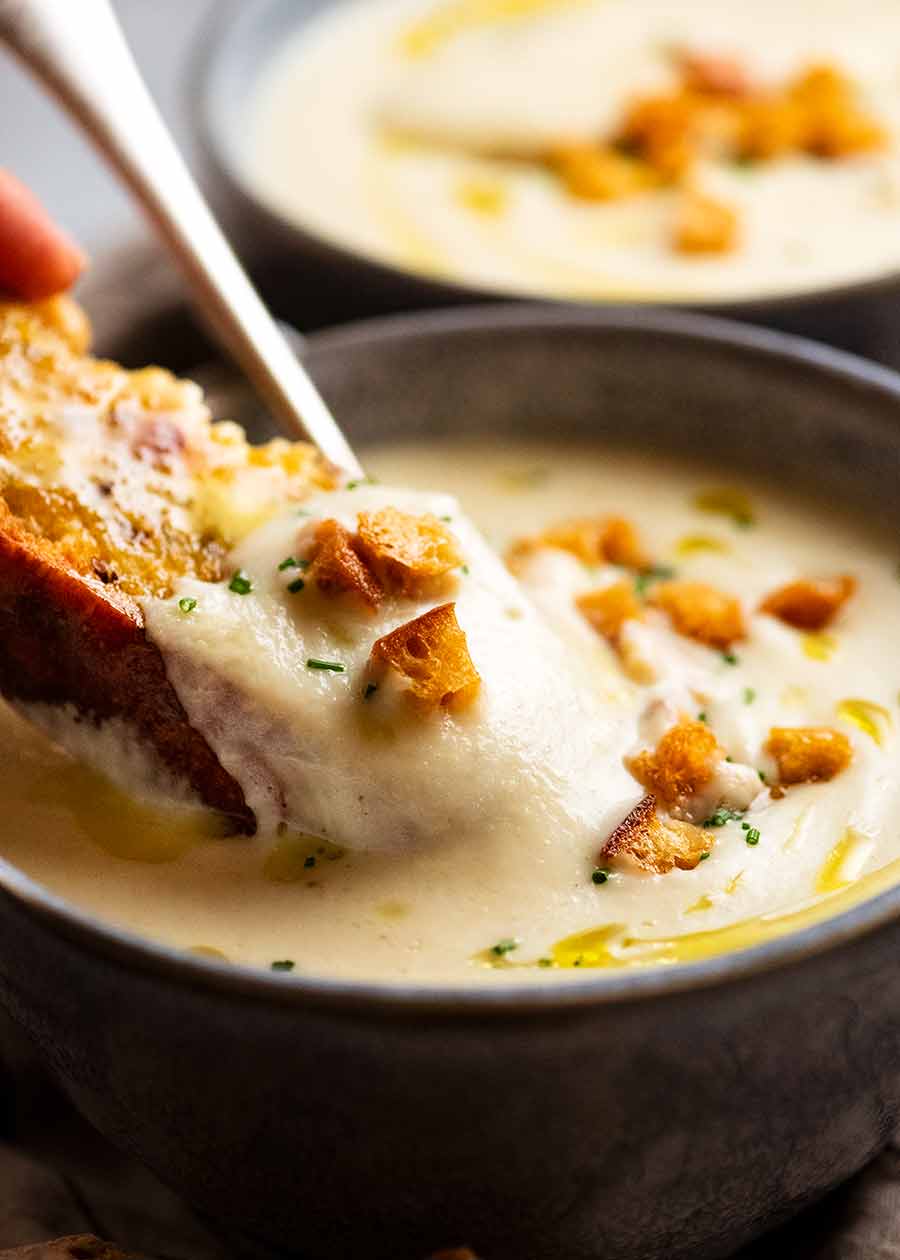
point(699, 611)
point(714, 75)
point(682, 764)
point(656, 844)
point(660, 130)
point(769, 127)
point(598, 173)
point(591, 539)
point(409, 555)
point(432, 654)
point(809, 603)
point(704, 225)
point(808, 754)
point(608, 608)
point(337, 569)
point(834, 124)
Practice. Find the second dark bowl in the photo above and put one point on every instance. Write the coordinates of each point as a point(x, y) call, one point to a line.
point(313, 281)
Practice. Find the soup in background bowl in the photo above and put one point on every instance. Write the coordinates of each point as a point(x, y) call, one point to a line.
point(588, 149)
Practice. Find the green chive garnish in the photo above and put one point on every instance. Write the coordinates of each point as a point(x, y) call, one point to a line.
point(296, 586)
point(505, 946)
point(719, 817)
point(600, 875)
point(752, 836)
point(289, 562)
point(188, 604)
point(656, 573)
point(704, 856)
point(283, 964)
point(729, 658)
point(749, 695)
point(336, 667)
point(241, 583)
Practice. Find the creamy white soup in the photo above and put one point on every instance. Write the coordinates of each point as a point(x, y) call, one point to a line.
point(472, 843)
point(418, 132)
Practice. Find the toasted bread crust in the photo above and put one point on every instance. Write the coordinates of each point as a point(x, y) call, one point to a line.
point(71, 639)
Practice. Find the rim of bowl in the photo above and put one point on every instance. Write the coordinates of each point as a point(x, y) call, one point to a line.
point(531, 997)
point(214, 37)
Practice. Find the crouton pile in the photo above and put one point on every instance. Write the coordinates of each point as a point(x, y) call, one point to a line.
point(715, 110)
point(396, 554)
point(688, 766)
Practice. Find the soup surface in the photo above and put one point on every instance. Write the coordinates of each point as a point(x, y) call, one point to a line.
point(489, 903)
point(416, 131)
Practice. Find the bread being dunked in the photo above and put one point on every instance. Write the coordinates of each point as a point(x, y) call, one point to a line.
point(114, 485)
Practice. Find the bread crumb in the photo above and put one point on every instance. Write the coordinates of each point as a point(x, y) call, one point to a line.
point(432, 653)
point(809, 603)
point(808, 754)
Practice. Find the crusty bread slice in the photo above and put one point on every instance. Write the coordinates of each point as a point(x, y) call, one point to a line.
point(113, 486)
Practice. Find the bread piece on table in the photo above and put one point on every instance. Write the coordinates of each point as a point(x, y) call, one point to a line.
point(113, 486)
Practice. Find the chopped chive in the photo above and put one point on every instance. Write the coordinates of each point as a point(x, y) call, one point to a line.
point(749, 695)
point(701, 717)
point(762, 775)
point(370, 690)
point(704, 856)
point(729, 658)
point(289, 562)
point(336, 667)
point(309, 862)
point(283, 964)
point(241, 583)
point(752, 836)
point(545, 962)
point(188, 604)
point(362, 481)
point(447, 519)
point(505, 946)
point(296, 586)
point(656, 573)
point(745, 826)
point(719, 817)
point(465, 569)
point(600, 875)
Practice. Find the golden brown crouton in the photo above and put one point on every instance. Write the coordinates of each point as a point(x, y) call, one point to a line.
point(808, 754)
point(682, 763)
point(660, 129)
point(597, 173)
point(608, 608)
point(810, 603)
point(704, 225)
point(656, 844)
point(409, 555)
point(769, 127)
point(700, 612)
point(591, 539)
point(336, 568)
point(834, 125)
point(432, 653)
point(714, 75)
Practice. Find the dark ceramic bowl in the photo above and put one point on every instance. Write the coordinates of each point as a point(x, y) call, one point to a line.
point(311, 280)
point(656, 1115)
